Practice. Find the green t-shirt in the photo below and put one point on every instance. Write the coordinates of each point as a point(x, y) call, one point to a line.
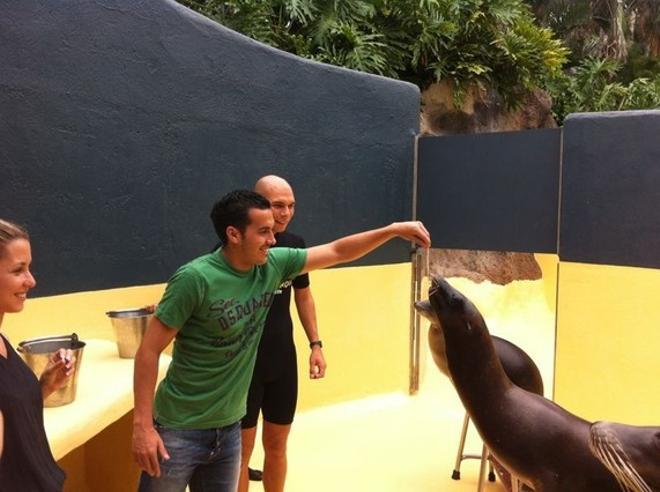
point(220, 313)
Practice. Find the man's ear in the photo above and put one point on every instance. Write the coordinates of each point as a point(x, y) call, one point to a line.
point(233, 235)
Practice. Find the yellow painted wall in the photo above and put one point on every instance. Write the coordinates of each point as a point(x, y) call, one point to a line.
point(80, 312)
point(363, 320)
point(606, 359)
point(104, 463)
point(522, 312)
point(608, 335)
point(363, 317)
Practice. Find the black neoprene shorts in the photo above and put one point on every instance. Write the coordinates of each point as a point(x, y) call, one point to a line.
point(274, 392)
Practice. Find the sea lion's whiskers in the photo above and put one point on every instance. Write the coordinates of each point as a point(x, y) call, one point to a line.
point(614, 458)
point(608, 449)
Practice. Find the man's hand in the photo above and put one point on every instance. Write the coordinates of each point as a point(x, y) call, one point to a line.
point(413, 231)
point(147, 448)
point(317, 363)
point(355, 246)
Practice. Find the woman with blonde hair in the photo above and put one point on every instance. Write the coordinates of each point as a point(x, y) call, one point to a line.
point(26, 461)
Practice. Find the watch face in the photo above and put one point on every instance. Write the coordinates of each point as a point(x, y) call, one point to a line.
point(317, 343)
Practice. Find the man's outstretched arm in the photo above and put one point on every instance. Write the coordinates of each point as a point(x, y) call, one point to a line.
point(350, 248)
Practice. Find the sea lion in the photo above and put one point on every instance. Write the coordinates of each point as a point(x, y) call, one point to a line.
point(519, 366)
point(537, 440)
point(630, 453)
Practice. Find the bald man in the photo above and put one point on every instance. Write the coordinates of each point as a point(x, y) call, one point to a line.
point(274, 387)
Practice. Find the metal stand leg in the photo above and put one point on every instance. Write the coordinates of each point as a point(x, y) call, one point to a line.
point(456, 474)
point(484, 457)
point(491, 472)
point(515, 484)
point(482, 469)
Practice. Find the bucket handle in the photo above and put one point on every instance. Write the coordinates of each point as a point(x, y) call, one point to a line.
point(72, 343)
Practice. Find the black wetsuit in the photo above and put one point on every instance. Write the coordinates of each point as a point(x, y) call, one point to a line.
point(27, 464)
point(274, 387)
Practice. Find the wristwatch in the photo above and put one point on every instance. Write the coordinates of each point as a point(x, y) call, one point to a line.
point(317, 343)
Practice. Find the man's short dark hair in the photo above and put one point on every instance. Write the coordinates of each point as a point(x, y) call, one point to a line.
point(233, 210)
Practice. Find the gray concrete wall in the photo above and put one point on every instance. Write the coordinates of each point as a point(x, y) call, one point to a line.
point(611, 189)
point(493, 191)
point(122, 121)
point(502, 191)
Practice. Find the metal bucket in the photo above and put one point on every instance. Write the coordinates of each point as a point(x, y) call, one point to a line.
point(36, 353)
point(129, 326)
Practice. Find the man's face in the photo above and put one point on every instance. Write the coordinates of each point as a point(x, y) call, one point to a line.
point(258, 237)
point(283, 204)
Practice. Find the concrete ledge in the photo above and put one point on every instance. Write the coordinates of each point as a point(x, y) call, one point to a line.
point(103, 396)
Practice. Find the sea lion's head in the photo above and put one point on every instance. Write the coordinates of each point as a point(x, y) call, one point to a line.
point(470, 352)
point(452, 308)
point(445, 309)
point(463, 326)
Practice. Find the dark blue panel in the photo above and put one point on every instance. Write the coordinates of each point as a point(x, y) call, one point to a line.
point(496, 191)
point(121, 122)
point(611, 189)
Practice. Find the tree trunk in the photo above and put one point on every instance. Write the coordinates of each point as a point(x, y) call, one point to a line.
point(618, 43)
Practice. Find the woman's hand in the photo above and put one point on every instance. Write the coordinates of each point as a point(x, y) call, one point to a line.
point(61, 365)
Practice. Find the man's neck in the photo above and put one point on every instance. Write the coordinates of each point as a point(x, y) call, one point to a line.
point(234, 259)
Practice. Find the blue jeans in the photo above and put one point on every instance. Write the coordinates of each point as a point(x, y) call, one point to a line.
point(208, 460)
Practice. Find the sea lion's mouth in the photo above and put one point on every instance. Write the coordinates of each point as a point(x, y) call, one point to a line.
point(441, 290)
point(435, 285)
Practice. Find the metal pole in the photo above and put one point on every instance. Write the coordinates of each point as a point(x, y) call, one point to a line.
point(415, 288)
point(415, 295)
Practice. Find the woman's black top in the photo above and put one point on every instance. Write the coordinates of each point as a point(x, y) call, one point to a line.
point(26, 464)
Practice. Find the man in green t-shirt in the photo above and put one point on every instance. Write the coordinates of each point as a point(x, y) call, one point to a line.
point(215, 306)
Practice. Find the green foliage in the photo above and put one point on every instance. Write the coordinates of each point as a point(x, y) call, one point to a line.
point(573, 22)
point(491, 43)
point(494, 44)
point(592, 81)
point(593, 86)
point(639, 65)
